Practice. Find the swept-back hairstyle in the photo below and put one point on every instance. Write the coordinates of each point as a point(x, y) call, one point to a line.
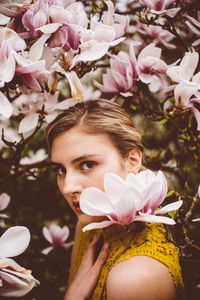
point(98, 117)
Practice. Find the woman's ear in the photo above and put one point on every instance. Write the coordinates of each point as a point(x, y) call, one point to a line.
point(134, 161)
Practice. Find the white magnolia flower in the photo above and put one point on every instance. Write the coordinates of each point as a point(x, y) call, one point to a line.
point(15, 281)
point(123, 202)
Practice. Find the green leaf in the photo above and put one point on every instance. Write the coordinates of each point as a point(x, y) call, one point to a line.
point(163, 121)
point(169, 193)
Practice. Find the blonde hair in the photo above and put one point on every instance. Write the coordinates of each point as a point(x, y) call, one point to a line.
point(98, 117)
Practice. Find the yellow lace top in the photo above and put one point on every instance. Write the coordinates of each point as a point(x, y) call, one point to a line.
point(152, 240)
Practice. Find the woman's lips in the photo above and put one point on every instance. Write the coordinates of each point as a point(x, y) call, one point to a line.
point(76, 206)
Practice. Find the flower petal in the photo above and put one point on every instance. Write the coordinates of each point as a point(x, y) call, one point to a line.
point(97, 225)
point(154, 219)
point(169, 207)
point(4, 201)
point(14, 241)
point(47, 250)
point(29, 122)
point(94, 202)
point(47, 234)
point(6, 108)
point(36, 50)
point(75, 85)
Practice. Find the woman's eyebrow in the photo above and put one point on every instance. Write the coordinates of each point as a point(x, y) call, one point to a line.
point(84, 157)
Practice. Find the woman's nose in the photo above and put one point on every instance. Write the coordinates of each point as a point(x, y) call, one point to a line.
point(71, 185)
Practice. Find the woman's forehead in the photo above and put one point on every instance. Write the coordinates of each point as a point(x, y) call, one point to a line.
point(76, 142)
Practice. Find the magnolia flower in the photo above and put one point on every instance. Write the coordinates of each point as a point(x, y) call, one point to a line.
point(56, 236)
point(65, 37)
point(123, 202)
point(149, 67)
point(112, 26)
point(36, 16)
point(32, 105)
point(31, 73)
point(73, 14)
point(158, 34)
point(16, 281)
point(10, 42)
point(4, 201)
point(120, 77)
point(188, 83)
point(161, 7)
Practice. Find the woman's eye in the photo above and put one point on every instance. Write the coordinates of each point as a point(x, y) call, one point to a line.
point(87, 165)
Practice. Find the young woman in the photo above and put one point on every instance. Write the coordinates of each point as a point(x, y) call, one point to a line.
point(139, 261)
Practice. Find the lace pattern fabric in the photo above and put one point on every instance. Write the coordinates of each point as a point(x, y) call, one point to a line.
point(152, 240)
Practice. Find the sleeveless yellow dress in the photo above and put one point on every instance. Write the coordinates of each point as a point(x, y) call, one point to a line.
point(152, 240)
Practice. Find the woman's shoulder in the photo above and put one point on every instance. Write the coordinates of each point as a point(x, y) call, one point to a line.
point(140, 277)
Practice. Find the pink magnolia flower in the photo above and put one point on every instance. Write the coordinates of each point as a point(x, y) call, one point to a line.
point(158, 34)
point(188, 83)
point(36, 16)
point(10, 42)
point(74, 14)
point(31, 107)
point(120, 77)
point(150, 67)
point(112, 26)
point(161, 7)
point(4, 201)
point(65, 37)
point(32, 74)
point(194, 26)
point(123, 202)
point(16, 281)
point(56, 236)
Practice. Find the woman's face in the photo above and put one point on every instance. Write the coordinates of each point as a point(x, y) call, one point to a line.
point(81, 160)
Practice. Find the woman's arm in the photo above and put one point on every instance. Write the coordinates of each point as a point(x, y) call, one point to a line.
point(140, 277)
point(88, 273)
